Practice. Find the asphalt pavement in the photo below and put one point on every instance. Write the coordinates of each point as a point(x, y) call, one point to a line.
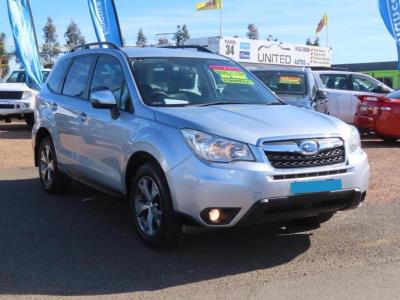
point(83, 244)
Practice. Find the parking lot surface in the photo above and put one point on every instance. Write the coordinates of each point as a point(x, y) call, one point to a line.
point(83, 244)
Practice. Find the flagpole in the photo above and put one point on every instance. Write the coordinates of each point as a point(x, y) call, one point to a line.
point(327, 35)
point(220, 21)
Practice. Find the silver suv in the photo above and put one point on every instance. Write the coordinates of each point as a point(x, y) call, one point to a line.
point(191, 137)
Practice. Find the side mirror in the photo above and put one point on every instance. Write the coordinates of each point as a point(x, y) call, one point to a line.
point(322, 95)
point(105, 99)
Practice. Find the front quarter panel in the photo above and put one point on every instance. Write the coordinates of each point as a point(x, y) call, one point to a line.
point(165, 143)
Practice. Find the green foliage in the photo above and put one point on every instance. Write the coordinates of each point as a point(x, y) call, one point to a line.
point(252, 32)
point(51, 48)
point(181, 35)
point(141, 39)
point(4, 65)
point(73, 36)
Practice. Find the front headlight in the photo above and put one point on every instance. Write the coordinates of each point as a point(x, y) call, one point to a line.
point(28, 95)
point(354, 140)
point(216, 149)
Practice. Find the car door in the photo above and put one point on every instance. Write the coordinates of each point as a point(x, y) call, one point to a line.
point(101, 155)
point(67, 108)
point(339, 95)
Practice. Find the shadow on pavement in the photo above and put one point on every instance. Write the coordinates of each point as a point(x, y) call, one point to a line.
point(371, 141)
point(15, 131)
point(82, 244)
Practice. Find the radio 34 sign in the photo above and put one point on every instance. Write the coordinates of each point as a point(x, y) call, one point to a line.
point(272, 53)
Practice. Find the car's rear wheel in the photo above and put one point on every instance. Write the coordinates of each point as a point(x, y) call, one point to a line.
point(151, 207)
point(53, 181)
point(315, 221)
point(29, 119)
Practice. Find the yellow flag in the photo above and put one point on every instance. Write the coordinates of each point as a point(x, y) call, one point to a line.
point(322, 23)
point(208, 5)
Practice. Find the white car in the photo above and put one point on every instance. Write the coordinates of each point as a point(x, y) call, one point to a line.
point(16, 98)
point(343, 90)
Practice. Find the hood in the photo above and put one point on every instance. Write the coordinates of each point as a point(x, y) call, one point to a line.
point(250, 123)
point(14, 87)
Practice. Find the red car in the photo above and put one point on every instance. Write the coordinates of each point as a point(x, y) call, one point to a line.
point(380, 115)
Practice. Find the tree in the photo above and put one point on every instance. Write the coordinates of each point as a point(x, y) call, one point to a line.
point(252, 32)
point(315, 43)
point(4, 66)
point(181, 35)
point(163, 41)
point(50, 48)
point(73, 36)
point(141, 39)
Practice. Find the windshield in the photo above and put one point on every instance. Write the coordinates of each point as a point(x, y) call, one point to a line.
point(194, 81)
point(20, 77)
point(288, 83)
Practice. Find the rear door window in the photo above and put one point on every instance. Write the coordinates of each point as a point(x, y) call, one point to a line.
point(335, 81)
point(78, 77)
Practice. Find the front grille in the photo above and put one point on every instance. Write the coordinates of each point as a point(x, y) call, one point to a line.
point(292, 160)
point(309, 175)
point(11, 95)
point(7, 106)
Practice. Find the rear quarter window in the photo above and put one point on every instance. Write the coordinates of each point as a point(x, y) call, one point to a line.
point(56, 78)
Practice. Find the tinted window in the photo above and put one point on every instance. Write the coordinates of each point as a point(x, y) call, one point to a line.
point(17, 77)
point(289, 83)
point(57, 76)
point(108, 74)
point(366, 84)
point(335, 81)
point(20, 77)
point(77, 78)
point(198, 81)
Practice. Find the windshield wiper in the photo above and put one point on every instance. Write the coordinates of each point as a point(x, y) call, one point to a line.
point(224, 103)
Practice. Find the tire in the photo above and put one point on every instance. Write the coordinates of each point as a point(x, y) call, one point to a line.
point(52, 180)
point(29, 119)
point(151, 207)
point(315, 221)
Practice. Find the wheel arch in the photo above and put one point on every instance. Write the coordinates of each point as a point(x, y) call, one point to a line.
point(41, 133)
point(135, 161)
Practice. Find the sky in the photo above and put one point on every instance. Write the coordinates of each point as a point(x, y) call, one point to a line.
point(356, 30)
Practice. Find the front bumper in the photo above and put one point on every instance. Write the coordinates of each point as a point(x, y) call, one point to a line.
point(197, 186)
point(15, 107)
point(302, 206)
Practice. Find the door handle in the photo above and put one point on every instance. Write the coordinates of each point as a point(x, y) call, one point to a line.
point(83, 117)
point(54, 106)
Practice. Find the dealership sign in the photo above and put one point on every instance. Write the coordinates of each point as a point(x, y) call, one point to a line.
point(272, 53)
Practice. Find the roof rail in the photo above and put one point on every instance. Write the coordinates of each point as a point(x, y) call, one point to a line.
point(196, 47)
point(93, 45)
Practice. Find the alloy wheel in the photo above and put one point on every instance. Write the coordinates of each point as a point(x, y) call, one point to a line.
point(148, 206)
point(47, 165)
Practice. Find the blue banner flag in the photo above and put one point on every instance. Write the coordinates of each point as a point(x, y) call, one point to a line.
point(390, 12)
point(26, 46)
point(105, 21)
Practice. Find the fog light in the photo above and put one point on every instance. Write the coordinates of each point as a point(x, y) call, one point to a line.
point(214, 215)
point(26, 105)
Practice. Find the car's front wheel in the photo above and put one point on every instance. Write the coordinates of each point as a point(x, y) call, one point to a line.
point(53, 181)
point(151, 207)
